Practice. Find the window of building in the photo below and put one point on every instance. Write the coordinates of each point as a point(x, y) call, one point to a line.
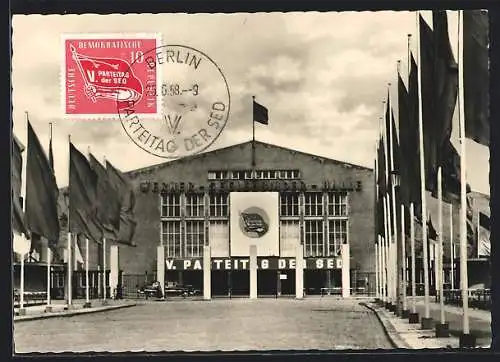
point(337, 204)
point(313, 238)
point(337, 235)
point(248, 175)
point(171, 233)
point(195, 205)
point(313, 204)
point(195, 236)
point(218, 205)
point(289, 204)
point(212, 175)
point(58, 281)
point(170, 205)
point(295, 174)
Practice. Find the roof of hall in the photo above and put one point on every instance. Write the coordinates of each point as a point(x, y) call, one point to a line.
point(257, 143)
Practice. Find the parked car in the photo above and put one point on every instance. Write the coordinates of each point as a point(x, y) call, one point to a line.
point(184, 290)
point(152, 290)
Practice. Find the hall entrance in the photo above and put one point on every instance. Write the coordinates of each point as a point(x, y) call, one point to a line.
point(267, 283)
point(239, 281)
point(275, 283)
point(322, 282)
point(286, 283)
point(220, 283)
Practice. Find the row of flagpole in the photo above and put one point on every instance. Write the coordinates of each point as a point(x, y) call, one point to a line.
point(71, 261)
point(391, 263)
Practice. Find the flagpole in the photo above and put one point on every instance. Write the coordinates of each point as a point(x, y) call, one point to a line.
point(452, 250)
point(87, 297)
point(70, 276)
point(104, 268)
point(477, 234)
point(403, 260)
point(49, 256)
point(412, 213)
point(75, 246)
point(21, 301)
point(413, 261)
point(396, 274)
point(253, 136)
point(384, 254)
point(376, 222)
point(384, 269)
point(376, 270)
point(463, 210)
point(387, 219)
point(426, 320)
point(390, 278)
point(441, 330)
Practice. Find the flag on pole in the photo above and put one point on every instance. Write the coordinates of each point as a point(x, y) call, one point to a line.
point(430, 123)
point(121, 184)
point(445, 84)
point(412, 141)
point(18, 216)
point(476, 75)
point(260, 113)
point(483, 242)
point(79, 246)
point(108, 208)
point(484, 221)
point(403, 144)
point(96, 87)
point(41, 191)
point(382, 188)
point(471, 234)
point(83, 197)
point(432, 234)
point(405, 152)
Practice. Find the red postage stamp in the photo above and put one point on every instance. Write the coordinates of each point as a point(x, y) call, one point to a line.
point(97, 74)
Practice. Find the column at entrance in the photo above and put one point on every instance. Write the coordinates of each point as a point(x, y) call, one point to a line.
point(114, 266)
point(346, 277)
point(207, 273)
point(160, 267)
point(299, 272)
point(253, 271)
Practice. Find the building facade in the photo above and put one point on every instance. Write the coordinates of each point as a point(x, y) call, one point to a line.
point(287, 200)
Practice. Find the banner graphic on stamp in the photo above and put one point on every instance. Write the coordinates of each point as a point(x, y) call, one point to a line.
point(244, 263)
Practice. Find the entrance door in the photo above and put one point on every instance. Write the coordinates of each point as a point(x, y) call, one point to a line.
point(288, 284)
point(314, 280)
point(240, 283)
point(220, 282)
point(194, 279)
point(267, 282)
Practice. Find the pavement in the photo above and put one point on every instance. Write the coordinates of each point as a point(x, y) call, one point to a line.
point(412, 336)
point(60, 309)
point(240, 324)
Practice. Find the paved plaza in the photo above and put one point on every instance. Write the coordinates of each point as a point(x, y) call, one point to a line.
point(237, 324)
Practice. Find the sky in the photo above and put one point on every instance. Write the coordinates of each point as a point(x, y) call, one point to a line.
point(322, 76)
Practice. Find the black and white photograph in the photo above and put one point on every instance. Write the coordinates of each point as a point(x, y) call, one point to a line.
point(287, 181)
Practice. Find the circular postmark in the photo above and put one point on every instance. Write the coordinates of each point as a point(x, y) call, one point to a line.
point(192, 97)
point(254, 222)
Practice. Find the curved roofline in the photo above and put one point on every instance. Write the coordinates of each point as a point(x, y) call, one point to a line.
point(188, 158)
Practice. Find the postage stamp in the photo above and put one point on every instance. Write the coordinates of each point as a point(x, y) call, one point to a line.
point(195, 102)
point(96, 73)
